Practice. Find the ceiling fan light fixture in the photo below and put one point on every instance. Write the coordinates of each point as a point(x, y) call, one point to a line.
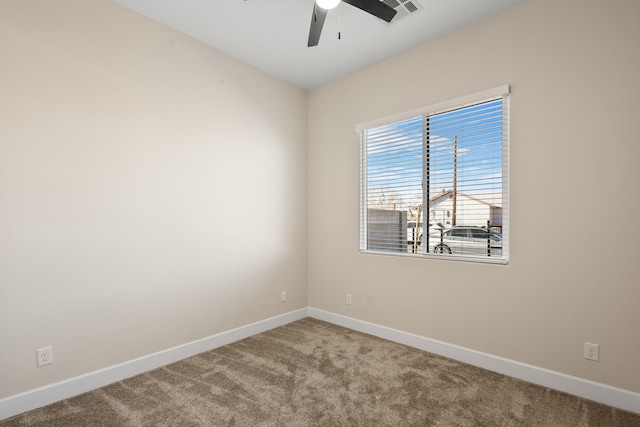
point(320, 10)
point(327, 4)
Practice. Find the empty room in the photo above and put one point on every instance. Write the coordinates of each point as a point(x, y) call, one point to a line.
point(250, 212)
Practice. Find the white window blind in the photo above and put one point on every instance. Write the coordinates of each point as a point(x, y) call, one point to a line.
point(434, 182)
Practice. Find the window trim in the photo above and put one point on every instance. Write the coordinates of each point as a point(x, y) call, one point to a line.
point(459, 102)
point(456, 103)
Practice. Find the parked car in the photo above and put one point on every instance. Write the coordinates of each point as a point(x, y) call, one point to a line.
point(467, 240)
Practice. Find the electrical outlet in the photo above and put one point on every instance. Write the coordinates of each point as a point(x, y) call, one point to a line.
point(283, 296)
point(348, 299)
point(44, 356)
point(591, 351)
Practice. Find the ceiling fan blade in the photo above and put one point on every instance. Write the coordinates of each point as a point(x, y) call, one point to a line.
point(317, 21)
point(374, 7)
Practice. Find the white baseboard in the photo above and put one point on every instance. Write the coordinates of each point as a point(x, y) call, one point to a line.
point(591, 390)
point(32, 399)
point(612, 396)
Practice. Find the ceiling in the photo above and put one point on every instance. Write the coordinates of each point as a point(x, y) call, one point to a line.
point(272, 34)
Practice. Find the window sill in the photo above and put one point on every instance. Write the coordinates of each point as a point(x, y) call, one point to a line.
point(445, 257)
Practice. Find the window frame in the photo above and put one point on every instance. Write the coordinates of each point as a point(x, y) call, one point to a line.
point(430, 110)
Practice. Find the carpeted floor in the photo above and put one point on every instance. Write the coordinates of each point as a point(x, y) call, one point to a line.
point(312, 373)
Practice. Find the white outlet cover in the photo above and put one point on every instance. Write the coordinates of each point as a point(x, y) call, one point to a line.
point(591, 351)
point(44, 356)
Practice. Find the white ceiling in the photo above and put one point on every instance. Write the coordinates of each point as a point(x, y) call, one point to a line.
point(272, 34)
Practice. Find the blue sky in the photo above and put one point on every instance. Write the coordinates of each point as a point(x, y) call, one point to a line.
point(395, 155)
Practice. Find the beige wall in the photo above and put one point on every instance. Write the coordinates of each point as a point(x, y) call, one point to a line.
point(573, 67)
point(152, 190)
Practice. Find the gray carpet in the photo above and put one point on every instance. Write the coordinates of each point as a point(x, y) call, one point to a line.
point(312, 373)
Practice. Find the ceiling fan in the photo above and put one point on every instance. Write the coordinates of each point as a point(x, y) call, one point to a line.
point(321, 7)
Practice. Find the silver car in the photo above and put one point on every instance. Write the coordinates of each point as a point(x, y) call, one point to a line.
point(466, 240)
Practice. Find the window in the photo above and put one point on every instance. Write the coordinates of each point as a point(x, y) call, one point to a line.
point(444, 167)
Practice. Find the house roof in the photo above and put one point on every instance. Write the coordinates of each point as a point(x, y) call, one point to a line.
point(449, 193)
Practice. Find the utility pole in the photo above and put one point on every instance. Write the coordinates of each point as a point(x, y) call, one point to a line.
point(455, 178)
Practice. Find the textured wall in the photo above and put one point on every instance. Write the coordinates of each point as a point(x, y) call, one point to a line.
point(573, 67)
point(152, 190)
